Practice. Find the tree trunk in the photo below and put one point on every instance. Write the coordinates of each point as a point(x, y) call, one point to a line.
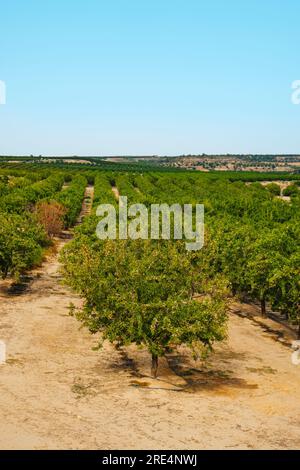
point(263, 307)
point(154, 365)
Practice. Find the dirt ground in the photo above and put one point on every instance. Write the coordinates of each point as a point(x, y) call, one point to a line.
point(58, 393)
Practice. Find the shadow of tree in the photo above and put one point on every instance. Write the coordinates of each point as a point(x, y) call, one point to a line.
point(205, 378)
point(194, 379)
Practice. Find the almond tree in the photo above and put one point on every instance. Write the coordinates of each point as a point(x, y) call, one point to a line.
point(142, 292)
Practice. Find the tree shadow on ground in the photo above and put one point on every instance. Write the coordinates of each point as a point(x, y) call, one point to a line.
point(207, 378)
point(193, 379)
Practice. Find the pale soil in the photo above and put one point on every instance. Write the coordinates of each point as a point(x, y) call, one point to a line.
point(56, 392)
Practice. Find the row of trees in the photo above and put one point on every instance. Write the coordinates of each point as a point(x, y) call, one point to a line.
point(33, 208)
point(149, 292)
point(256, 239)
point(21, 243)
point(20, 199)
point(156, 294)
point(71, 199)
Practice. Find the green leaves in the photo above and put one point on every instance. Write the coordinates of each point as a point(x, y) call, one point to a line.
point(156, 293)
point(19, 199)
point(140, 292)
point(21, 243)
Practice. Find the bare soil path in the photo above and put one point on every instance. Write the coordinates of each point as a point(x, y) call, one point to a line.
point(56, 392)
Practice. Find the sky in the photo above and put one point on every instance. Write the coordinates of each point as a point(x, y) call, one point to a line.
point(150, 77)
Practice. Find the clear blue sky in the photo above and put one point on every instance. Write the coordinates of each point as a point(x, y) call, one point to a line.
point(95, 77)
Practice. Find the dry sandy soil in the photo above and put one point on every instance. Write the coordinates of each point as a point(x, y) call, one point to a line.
point(56, 392)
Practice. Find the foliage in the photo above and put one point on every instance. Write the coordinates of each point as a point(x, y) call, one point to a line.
point(291, 190)
point(71, 198)
point(274, 189)
point(252, 237)
point(21, 244)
